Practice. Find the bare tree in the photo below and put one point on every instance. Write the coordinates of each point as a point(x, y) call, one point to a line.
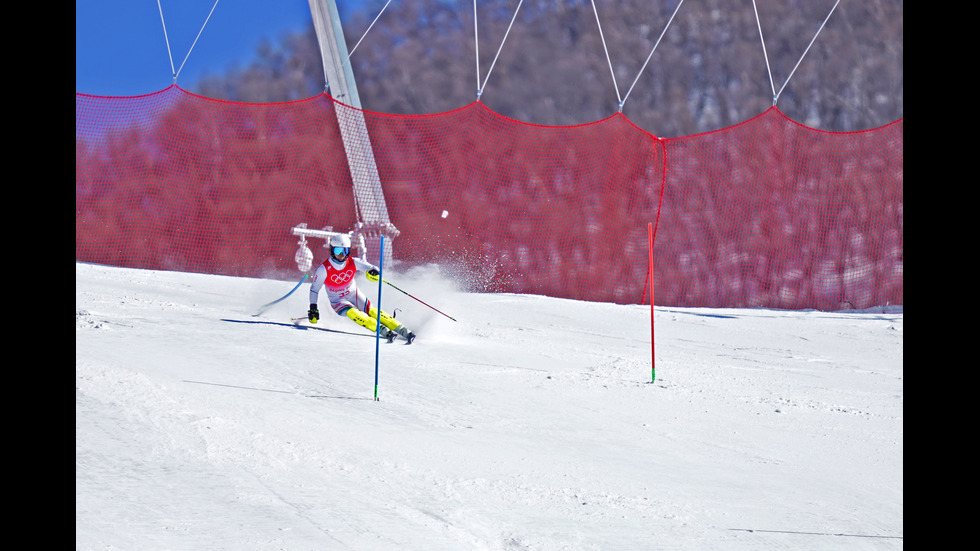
point(709, 71)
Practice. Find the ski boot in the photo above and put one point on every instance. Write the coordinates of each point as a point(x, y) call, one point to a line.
point(389, 322)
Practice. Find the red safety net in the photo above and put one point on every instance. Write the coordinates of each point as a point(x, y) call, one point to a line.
point(767, 213)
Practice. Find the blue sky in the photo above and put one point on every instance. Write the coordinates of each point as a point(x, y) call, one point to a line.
point(121, 49)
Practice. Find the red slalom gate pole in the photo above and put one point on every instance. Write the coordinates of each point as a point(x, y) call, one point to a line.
point(653, 360)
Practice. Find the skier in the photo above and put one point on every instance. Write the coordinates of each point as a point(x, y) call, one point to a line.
point(337, 275)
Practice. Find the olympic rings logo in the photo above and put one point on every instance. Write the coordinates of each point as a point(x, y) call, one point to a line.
point(341, 277)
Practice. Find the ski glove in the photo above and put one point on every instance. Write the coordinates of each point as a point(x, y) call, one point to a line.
point(313, 314)
point(373, 275)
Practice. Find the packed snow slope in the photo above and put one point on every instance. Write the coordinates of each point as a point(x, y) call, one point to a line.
point(529, 423)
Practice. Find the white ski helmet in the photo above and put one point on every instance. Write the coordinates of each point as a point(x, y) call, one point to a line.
point(339, 240)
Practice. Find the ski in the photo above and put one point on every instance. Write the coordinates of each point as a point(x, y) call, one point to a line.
point(409, 339)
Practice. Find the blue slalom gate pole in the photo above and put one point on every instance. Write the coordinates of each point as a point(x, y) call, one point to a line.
point(377, 329)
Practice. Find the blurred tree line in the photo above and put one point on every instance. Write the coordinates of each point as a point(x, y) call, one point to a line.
point(708, 71)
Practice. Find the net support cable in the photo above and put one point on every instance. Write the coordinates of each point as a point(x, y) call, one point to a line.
point(643, 68)
point(369, 28)
point(480, 87)
point(166, 39)
point(775, 94)
point(608, 61)
point(476, 40)
point(622, 99)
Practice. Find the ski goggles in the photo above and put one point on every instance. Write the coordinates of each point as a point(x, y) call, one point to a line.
point(337, 251)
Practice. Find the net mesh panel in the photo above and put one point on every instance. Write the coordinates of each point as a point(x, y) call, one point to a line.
point(767, 213)
point(558, 211)
point(175, 181)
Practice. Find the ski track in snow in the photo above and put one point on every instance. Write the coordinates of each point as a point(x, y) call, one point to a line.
point(531, 423)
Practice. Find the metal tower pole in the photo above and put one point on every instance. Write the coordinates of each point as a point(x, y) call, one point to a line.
point(372, 212)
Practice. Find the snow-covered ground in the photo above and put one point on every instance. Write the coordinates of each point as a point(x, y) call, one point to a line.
point(529, 423)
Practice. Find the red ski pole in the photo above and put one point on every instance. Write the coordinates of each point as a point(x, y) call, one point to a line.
point(443, 313)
